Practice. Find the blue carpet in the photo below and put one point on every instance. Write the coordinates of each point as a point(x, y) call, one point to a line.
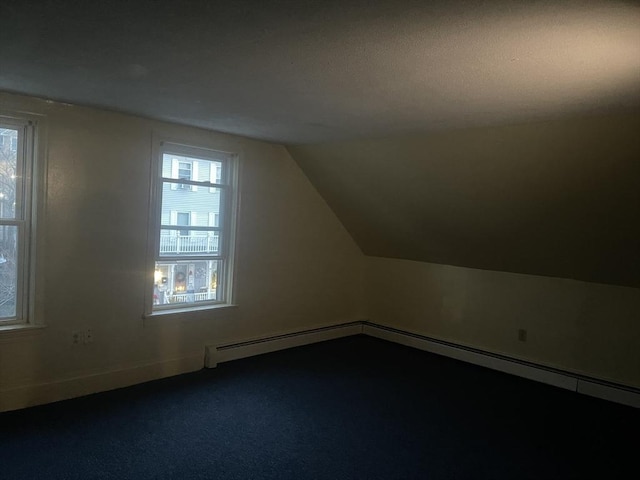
point(354, 408)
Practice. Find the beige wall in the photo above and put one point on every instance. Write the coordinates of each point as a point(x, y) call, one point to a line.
point(297, 267)
point(587, 328)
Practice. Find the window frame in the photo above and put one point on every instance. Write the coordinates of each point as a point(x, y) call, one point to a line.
point(226, 232)
point(30, 192)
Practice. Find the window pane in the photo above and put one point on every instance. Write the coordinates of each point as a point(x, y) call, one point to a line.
point(8, 270)
point(176, 242)
point(181, 167)
point(8, 171)
point(200, 206)
point(184, 282)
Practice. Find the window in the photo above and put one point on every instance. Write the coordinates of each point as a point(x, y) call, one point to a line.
point(194, 187)
point(184, 170)
point(17, 166)
point(183, 219)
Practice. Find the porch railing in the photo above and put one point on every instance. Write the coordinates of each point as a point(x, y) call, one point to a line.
point(177, 244)
point(192, 297)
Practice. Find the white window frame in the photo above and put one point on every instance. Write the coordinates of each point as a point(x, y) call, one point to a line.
point(226, 232)
point(30, 183)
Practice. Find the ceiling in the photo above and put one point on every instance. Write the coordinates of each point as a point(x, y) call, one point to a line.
point(497, 134)
point(557, 198)
point(301, 71)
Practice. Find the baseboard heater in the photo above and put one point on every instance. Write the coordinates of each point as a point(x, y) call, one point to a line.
point(215, 354)
point(233, 351)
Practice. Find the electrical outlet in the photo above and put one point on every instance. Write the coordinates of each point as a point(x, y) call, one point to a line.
point(522, 335)
point(77, 337)
point(82, 337)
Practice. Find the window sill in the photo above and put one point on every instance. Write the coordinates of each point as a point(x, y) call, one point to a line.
point(11, 332)
point(187, 313)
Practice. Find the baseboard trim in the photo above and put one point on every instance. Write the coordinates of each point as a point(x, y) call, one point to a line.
point(474, 357)
point(215, 354)
point(38, 394)
point(559, 378)
point(606, 392)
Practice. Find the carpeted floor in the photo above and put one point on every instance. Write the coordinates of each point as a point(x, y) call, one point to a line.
point(354, 408)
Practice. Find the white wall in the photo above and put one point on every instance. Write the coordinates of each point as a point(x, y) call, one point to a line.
point(297, 267)
point(586, 328)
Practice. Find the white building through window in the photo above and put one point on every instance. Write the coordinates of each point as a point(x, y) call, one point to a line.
point(192, 266)
point(17, 199)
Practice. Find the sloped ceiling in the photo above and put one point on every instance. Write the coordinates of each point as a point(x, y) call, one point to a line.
point(558, 198)
point(495, 134)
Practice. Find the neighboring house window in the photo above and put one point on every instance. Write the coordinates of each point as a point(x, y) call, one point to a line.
point(184, 170)
point(17, 200)
point(215, 175)
point(192, 267)
point(183, 219)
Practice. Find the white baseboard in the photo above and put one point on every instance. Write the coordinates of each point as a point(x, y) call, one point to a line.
point(223, 353)
point(564, 380)
point(38, 394)
point(215, 354)
point(482, 359)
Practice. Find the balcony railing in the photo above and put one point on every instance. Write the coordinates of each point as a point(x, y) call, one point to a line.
point(192, 297)
point(186, 244)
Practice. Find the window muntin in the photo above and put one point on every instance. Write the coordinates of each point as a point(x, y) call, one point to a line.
point(16, 191)
point(192, 266)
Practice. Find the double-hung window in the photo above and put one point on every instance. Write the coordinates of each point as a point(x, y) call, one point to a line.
point(17, 194)
point(195, 188)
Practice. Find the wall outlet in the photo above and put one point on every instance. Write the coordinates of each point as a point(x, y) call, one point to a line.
point(82, 337)
point(77, 337)
point(522, 335)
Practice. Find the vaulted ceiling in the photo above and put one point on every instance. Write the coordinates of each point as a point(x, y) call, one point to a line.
point(557, 198)
point(493, 134)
